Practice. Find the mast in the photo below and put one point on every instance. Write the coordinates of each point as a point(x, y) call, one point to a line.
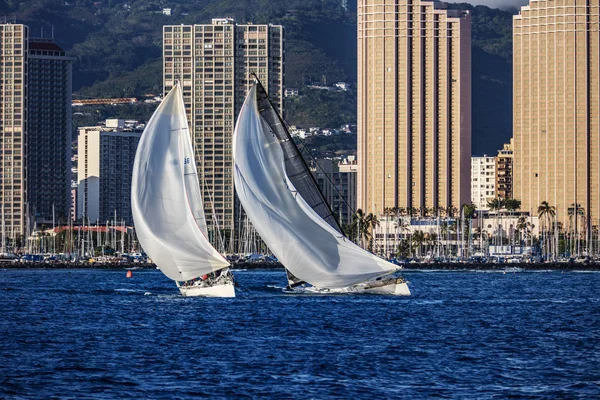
point(53, 232)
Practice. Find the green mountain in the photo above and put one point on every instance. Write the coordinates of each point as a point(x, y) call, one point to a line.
point(117, 46)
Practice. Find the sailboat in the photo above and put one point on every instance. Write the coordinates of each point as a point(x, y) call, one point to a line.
point(283, 202)
point(167, 208)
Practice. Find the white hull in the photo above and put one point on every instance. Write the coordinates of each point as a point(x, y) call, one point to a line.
point(224, 290)
point(391, 287)
point(220, 286)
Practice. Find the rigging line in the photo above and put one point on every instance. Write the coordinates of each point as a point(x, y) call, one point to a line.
point(326, 176)
point(214, 219)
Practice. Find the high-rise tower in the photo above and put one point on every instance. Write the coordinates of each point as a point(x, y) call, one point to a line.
point(414, 105)
point(35, 130)
point(556, 54)
point(49, 129)
point(13, 102)
point(213, 63)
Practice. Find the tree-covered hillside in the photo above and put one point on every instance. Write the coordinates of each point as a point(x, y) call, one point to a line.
point(117, 46)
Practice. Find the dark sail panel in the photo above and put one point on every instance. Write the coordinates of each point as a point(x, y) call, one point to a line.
point(295, 167)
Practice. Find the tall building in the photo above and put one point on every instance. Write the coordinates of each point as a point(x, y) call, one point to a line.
point(483, 181)
point(49, 131)
point(14, 39)
point(35, 130)
point(556, 70)
point(504, 172)
point(414, 105)
point(213, 63)
point(105, 165)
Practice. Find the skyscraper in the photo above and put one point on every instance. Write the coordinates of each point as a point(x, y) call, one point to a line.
point(414, 105)
point(556, 109)
point(13, 186)
point(35, 129)
point(49, 131)
point(213, 63)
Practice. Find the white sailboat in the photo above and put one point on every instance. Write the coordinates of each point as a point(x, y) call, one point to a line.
point(289, 212)
point(167, 208)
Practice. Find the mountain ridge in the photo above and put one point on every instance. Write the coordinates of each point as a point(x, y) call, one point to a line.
point(118, 47)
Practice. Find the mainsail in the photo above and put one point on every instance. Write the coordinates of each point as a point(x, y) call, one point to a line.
point(165, 196)
point(295, 167)
point(308, 246)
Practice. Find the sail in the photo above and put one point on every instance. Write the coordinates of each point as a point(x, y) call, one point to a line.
point(190, 179)
point(295, 167)
point(310, 248)
point(165, 196)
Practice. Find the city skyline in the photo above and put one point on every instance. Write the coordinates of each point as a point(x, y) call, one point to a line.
point(43, 48)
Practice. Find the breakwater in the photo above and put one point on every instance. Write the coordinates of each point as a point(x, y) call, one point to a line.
point(500, 267)
point(265, 265)
point(118, 265)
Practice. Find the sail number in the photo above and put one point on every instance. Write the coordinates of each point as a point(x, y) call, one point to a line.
point(186, 161)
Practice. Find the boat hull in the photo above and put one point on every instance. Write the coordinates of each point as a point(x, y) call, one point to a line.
point(390, 287)
point(223, 290)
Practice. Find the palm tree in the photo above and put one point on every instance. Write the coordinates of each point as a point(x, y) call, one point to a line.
point(418, 239)
point(546, 214)
point(372, 222)
point(432, 240)
point(357, 227)
point(496, 205)
point(522, 225)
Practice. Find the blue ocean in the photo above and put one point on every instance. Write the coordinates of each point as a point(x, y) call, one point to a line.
point(94, 334)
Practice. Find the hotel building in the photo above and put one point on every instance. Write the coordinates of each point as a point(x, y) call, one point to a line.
point(105, 156)
point(35, 130)
point(556, 61)
point(213, 63)
point(414, 105)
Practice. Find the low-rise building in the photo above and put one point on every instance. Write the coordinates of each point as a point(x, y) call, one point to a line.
point(504, 172)
point(483, 181)
point(105, 163)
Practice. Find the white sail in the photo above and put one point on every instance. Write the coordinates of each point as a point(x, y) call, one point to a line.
point(304, 243)
point(165, 196)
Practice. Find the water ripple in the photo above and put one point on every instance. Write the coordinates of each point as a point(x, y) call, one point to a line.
point(95, 334)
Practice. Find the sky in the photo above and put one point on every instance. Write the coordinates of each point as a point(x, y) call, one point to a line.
point(494, 3)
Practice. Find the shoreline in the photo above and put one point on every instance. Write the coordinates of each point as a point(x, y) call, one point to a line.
point(275, 266)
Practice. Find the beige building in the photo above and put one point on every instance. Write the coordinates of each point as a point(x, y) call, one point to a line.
point(35, 130)
point(504, 172)
point(214, 63)
point(556, 108)
point(483, 181)
point(414, 105)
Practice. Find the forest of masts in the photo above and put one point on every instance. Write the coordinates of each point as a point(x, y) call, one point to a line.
point(457, 235)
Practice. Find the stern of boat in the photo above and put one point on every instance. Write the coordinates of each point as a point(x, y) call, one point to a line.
point(224, 290)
